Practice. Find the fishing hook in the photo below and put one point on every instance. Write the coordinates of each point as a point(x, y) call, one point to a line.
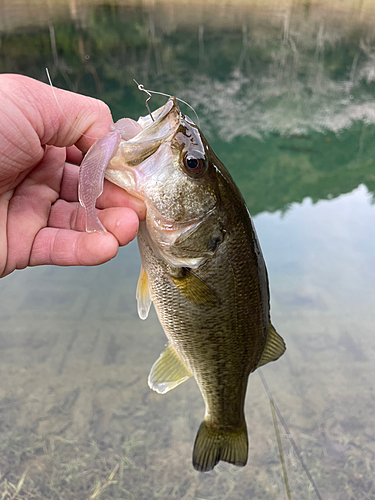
point(149, 92)
point(142, 89)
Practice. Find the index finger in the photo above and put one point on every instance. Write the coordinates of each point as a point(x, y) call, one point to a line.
point(59, 117)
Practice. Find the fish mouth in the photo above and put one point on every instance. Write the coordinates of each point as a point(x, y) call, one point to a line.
point(149, 158)
point(148, 121)
point(155, 130)
point(141, 147)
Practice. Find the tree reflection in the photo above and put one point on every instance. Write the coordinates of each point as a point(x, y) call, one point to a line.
point(286, 97)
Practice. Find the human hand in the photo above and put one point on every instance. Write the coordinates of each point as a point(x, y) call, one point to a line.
point(41, 145)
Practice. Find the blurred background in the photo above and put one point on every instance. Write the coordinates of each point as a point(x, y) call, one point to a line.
point(285, 93)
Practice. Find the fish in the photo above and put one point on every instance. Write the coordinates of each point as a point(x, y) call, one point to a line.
point(202, 268)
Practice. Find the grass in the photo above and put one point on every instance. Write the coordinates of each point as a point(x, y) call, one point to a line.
point(143, 463)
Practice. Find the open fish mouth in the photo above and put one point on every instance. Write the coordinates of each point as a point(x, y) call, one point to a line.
point(151, 166)
point(113, 152)
point(137, 150)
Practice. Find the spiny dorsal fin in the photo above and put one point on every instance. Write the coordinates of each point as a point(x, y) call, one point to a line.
point(167, 372)
point(212, 445)
point(275, 347)
point(194, 288)
point(143, 295)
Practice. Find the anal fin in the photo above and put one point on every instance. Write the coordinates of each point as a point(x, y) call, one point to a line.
point(143, 295)
point(275, 347)
point(168, 371)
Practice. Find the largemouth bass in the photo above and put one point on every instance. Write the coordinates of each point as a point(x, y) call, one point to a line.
point(202, 267)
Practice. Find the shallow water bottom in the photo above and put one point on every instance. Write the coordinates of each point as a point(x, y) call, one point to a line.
point(77, 419)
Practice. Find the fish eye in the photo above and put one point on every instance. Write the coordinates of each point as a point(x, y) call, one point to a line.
point(193, 165)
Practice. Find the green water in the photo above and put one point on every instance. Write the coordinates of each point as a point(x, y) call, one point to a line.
point(286, 97)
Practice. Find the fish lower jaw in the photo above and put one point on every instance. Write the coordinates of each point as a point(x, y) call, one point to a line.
point(122, 178)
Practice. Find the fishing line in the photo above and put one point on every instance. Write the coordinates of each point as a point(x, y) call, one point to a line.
point(140, 87)
point(288, 434)
point(149, 92)
point(281, 453)
point(62, 111)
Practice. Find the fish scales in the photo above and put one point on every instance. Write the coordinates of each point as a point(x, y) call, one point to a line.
point(229, 337)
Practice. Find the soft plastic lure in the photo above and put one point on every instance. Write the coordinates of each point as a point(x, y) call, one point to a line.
point(94, 164)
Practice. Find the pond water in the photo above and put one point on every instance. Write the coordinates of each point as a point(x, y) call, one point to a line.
point(286, 97)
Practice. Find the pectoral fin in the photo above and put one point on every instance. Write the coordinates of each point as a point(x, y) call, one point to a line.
point(194, 288)
point(143, 295)
point(167, 372)
point(275, 348)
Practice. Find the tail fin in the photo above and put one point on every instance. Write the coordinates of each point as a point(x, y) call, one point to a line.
point(212, 445)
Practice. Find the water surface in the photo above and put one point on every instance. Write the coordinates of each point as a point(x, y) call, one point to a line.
point(285, 95)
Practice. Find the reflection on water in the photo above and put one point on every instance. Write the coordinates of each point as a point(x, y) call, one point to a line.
point(286, 96)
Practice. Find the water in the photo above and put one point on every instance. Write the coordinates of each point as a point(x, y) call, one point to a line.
point(285, 96)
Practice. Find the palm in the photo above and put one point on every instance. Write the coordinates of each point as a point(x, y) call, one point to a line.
point(41, 220)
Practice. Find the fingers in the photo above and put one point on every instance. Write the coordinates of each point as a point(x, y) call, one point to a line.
point(63, 247)
point(122, 222)
point(113, 196)
point(129, 128)
point(58, 117)
point(29, 208)
point(69, 183)
point(4, 206)
point(74, 155)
